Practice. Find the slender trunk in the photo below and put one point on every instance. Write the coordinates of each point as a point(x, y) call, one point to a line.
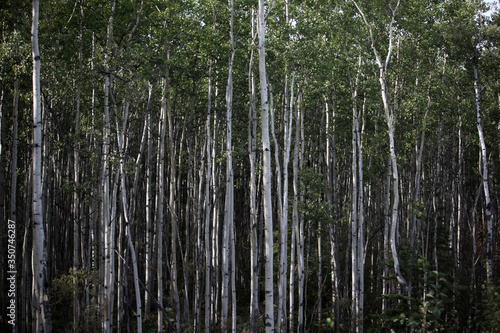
point(126, 218)
point(387, 223)
point(107, 221)
point(484, 176)
point(389, 116)
point(252, 146)
point(229, 209)
point(39, 256)
point(266, 150)
point(149, 202)
point(208, 206)
point(298, 219)
point(76, 171)
point(173, 215)
point(160, 195)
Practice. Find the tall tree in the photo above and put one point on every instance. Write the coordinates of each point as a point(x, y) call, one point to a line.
point(39, 256)
point(390, 120)
point(267, 171)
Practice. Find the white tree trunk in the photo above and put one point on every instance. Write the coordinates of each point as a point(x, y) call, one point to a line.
point(159, 197)
point(208, 206)
point(107, 222)
point(39, 257)
point(228, 236)
point(266, 150)
point(149, 201)
point(486, 189)
point(130, 243)
point(252, 146)
point(390, 124)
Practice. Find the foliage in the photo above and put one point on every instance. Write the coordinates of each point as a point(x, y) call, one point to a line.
point(63, 292)
point(430, 309)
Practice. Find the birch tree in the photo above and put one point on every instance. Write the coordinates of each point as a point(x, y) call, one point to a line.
point(39, 256)
point(267, 171)
point(390, 119)
point(252, 146)
point(228, 235)
point(107, 222)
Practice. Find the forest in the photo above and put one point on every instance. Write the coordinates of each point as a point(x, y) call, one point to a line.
point(249, 166)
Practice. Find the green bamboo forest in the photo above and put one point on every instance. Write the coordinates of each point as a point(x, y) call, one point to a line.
point(249, 166)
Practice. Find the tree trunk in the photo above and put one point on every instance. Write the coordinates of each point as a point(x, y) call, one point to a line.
point(160, 194)
point(484, 176)
point(267, 171)
point(148, 208)
point(252, 146)
point(107, 221)
point(229, 205)
point(39, 257)
point(126, 218)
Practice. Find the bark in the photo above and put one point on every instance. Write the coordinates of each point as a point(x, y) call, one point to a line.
point(389, 116)
point(107, 222)
point(484, 177)
point(39, 254)
point(228, 236)
point(130, 243)
point(148, 208)
point(297, 218)
point(252, 146)
point(160, 195)
point(208, 206)
point(76, 171)
point(266, 150)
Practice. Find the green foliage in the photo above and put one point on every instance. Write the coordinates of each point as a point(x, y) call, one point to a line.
point(313, 189)
point(490, 304)
point(63, 292)
point(430, 307)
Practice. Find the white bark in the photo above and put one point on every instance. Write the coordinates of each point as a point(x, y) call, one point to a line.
point(266, 150)
point(39, 257)
point(159, 197)
point(252, 146)
point(390, 124)
point(208, 206)
point(228, 236)
point(149, 201)
point(299, 220)
point(484, 176)
point(130, 243)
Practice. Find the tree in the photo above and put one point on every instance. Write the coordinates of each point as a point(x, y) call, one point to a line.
point(389, 116)
point(39, 257)
point(266, 186)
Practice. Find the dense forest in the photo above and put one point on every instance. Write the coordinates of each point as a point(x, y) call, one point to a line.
point(249, 166)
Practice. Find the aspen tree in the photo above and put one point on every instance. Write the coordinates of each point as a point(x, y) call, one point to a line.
point(108, 222)
point(123, 189)
point(252, 146)
point(484, 175)
point(76, 172)
point(283, 202)
point(266, 150)
point(357, 242)
point(160, 194)
point(300, 236)
point(389, 116)
point(39, 256)
point(148, 207)
point(208, 207)
point(43, 321)
point(228, 235)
